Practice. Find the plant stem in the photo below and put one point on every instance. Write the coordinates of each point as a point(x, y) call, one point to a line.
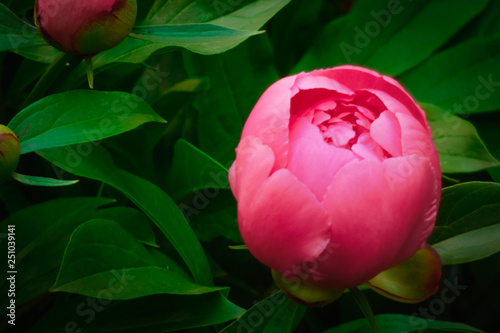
point(47, 78)
point(364, 306)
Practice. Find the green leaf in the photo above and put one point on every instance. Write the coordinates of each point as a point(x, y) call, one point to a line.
point(42, 232)
point(15, 34)
point(391, 37)
point(470, 246)
point(132, 220)
point(42, 181)
point(396, 323)
point(216, 221)
point(159, 207)
point(274, 314)
point(466, 207)
point(39, 53)
point(200, 38)
point(189, 11)
point(457, 142)
point(458, 80)
point(22, 38)
point(251, 16)
point(103, 260)
point(151, 314)
point(79, 116)
point(224, 107)
point(193, 170)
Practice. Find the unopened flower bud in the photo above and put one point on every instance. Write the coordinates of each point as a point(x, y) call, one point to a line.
point(10, 150)
point(85, 27)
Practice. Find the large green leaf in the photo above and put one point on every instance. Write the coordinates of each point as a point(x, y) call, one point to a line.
point(159, 207)
point(391, 37)
point(103, 260)
point(462, 79)
point(132, 220)
point(395, 323)
point(466, 207)
point(44, 53)
point(151, 314)
point(190, 11)
point(276, 313)
point(251, 16)
point(457, 142)
point(42, 232)
point(470, 246)
point(201, 38)
point(79, 116)
point(237, 79)
point(193, 170)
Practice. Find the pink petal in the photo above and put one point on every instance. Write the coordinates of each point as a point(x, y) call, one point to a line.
point(252, 167)
point(340, 133)
point(269, 119)
point(381, 213)
point(326, 105)
point(284, 225)
point(416, 139)
point(366, 148)
point(385, 130)
point(312, 160)
point(307, 81)
point(320, 117)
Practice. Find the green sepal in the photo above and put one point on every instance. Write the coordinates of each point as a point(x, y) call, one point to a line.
point(413, 281)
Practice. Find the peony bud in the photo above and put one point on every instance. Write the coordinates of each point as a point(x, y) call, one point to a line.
point(336, 173)
point(85, 27)
point(10, 150)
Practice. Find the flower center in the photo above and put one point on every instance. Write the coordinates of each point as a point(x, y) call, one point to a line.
point(344, 121)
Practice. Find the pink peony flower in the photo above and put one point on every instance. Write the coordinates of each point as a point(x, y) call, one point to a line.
point(336, 177)
point(85, 27)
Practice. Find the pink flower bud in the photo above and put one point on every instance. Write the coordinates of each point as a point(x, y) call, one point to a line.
point(336, 177)
point(10, 150)
point(85, 27)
